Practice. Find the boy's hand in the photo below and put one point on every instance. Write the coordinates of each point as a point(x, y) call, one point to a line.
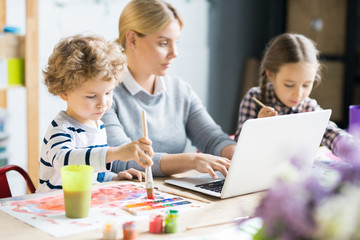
point(267, 112)
point(139, 150)
point(129, 175)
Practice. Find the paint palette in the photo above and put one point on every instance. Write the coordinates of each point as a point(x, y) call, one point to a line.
point(146, 207)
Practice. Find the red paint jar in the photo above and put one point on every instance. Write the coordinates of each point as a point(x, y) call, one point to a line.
point(156, 223)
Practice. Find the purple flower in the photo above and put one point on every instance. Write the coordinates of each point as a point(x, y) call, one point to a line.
point(317, 191)
point(347, 147)
point(351, 174)
point(286, 211)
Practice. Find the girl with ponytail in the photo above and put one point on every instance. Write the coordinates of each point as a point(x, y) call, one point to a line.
point(289, 69)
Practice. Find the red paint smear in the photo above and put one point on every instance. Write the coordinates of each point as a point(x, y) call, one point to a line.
point(51, 221)
point(101, 197)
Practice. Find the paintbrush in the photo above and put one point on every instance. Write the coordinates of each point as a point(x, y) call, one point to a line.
point(149, 182)
point(258, 102)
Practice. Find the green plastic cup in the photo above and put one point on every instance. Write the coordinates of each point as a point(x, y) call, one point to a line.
point(77, 183)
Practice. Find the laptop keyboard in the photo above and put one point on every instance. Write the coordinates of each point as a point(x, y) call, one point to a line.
point(215, 186)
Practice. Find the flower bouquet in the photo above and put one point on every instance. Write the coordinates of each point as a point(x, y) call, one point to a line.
point(309, 208)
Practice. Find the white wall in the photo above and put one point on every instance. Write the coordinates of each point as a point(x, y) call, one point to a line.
point(60, 18)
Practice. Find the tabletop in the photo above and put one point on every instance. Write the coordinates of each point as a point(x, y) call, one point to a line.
point(214, 210)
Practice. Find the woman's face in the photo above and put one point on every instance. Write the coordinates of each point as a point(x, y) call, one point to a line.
point(155, 52)
point(294, 82)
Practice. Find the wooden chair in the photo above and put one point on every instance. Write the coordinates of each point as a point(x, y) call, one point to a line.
point(4, 184)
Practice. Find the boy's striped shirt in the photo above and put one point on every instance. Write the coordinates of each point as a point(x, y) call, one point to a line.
point(68, 142)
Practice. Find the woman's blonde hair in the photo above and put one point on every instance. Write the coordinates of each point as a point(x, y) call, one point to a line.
point(283, 49)
point(80, 58)
point(146, 17)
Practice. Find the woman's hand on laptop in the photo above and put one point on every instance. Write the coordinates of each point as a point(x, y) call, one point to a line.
point(204, 163)
point(207, 163)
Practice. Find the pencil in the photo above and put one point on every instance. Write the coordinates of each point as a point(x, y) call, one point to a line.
point(218, 223)
point(182, 194)
point(149, 182)
point(258, 102)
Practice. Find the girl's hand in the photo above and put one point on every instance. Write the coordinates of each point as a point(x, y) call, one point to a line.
point(267, 112)
point(129, 175)
point(207, 163)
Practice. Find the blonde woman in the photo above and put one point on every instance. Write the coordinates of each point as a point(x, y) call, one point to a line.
point(148, 31)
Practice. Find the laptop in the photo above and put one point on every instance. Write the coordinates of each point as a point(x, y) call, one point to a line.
point(264, 151)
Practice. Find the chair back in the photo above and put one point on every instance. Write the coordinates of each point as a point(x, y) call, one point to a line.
point(4, 184)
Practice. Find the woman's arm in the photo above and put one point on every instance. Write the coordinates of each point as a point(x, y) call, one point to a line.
point(228, 151)
point(166, 164)
point(203, 131)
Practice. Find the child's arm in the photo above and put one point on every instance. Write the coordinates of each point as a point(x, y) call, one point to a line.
point(248, 109)
point(61, 148)
point(137, 150)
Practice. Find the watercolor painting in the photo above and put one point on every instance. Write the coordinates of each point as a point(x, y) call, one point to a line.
point(119, 202)
point(101, 197)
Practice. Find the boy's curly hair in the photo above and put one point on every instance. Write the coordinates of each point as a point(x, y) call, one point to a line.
point(80, 58)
